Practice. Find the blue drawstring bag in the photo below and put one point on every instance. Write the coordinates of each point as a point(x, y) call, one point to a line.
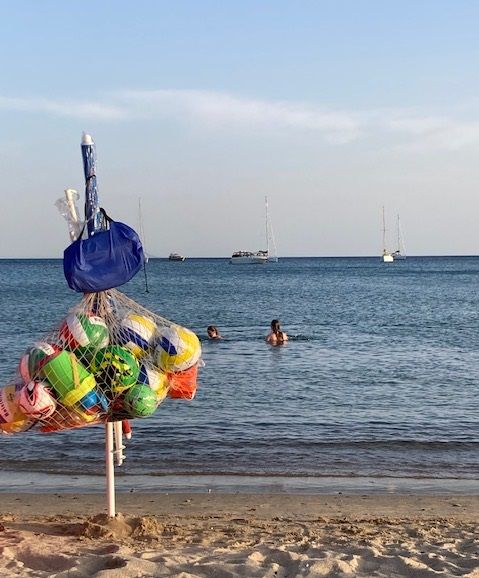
point(109, 258)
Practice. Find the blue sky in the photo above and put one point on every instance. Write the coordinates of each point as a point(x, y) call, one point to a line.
point(331, 108)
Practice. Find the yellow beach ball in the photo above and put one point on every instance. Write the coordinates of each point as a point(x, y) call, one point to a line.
point(136, 333)
point(177, 348)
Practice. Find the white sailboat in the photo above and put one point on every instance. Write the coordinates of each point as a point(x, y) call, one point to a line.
point(262, 256)
point(270, 242)
point(386, 257)
point(248, 258)
point(141, 232)
point(400, 253)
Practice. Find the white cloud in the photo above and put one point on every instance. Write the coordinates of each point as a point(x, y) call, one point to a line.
point(216, 111)
point(436, 132)
point(219, 109)
point(213, 109)
point(67, 108)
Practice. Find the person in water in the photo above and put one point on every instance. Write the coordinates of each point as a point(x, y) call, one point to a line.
point(276, 337)
point(213, 332)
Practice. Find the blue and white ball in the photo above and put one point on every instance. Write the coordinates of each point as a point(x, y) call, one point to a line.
point(136, 333)
point(177, 348)
point(155, 379)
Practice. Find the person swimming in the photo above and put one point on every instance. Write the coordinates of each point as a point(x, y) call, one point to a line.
point(276, 336)
point(213, 332)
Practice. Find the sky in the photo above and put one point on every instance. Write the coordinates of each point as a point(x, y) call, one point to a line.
point(200, 108)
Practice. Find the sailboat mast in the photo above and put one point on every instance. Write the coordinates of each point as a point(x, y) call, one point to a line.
point(266, 224)
point(399, 235)
point(384, 231)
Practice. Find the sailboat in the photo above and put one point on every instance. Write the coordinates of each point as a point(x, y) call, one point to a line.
point(400, 253)
point(270, 243)
point(262, 256)
point(141, 232)
point(386, 257)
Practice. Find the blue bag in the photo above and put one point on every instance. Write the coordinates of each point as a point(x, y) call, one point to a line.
point(109, 258)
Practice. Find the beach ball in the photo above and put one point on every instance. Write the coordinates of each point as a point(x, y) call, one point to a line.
point(35, 400)
point(140, 401)
point(136, 333)
point(115, 367)
point(177, 348)
point(84, 332)
point(155, 379)
point(32, 361)
point(12, 419)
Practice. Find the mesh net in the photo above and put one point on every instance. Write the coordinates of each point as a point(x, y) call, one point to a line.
point(109, 359)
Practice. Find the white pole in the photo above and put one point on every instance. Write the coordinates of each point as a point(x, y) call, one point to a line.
point(110, 470)
point(119, 447)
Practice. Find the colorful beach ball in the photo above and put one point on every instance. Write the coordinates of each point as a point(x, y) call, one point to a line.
point(84, 332)
point(32, 361)
point(140, 401)
point(35, 400)
point(12, 419)
point(116, 368)
point(177, 348)
point(136, 333)
point(155, 379)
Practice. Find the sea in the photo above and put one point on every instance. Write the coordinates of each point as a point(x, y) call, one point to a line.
point(376, 390)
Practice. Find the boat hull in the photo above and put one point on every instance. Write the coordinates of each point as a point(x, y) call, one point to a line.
point(249, 260)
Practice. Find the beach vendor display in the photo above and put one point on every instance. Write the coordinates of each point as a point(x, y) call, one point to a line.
point(108, 359)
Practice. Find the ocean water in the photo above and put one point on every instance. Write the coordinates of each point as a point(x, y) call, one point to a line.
point(379, 380)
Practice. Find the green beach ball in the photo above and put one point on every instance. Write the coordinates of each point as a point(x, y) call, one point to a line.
point(140, 401)
point(84, 333)
point(115, 367)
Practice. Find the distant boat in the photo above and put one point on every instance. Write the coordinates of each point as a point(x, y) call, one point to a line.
point(176, 257)
point(387, 256)
point(262, 256)
point(270, 243)
point(400, 253)
point(249, 258)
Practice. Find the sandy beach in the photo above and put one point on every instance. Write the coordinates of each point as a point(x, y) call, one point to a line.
point(228, 535)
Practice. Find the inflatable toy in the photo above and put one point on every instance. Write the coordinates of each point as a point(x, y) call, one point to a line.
point(155, 379)
point(12, 420)
point(136, 333)
point(31, 362)
point(140, 401)
point(84, 332)
point(34, 400)
point(177, 348)
point(115, 368)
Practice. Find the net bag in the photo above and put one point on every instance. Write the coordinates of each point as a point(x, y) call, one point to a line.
point(109, 359)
